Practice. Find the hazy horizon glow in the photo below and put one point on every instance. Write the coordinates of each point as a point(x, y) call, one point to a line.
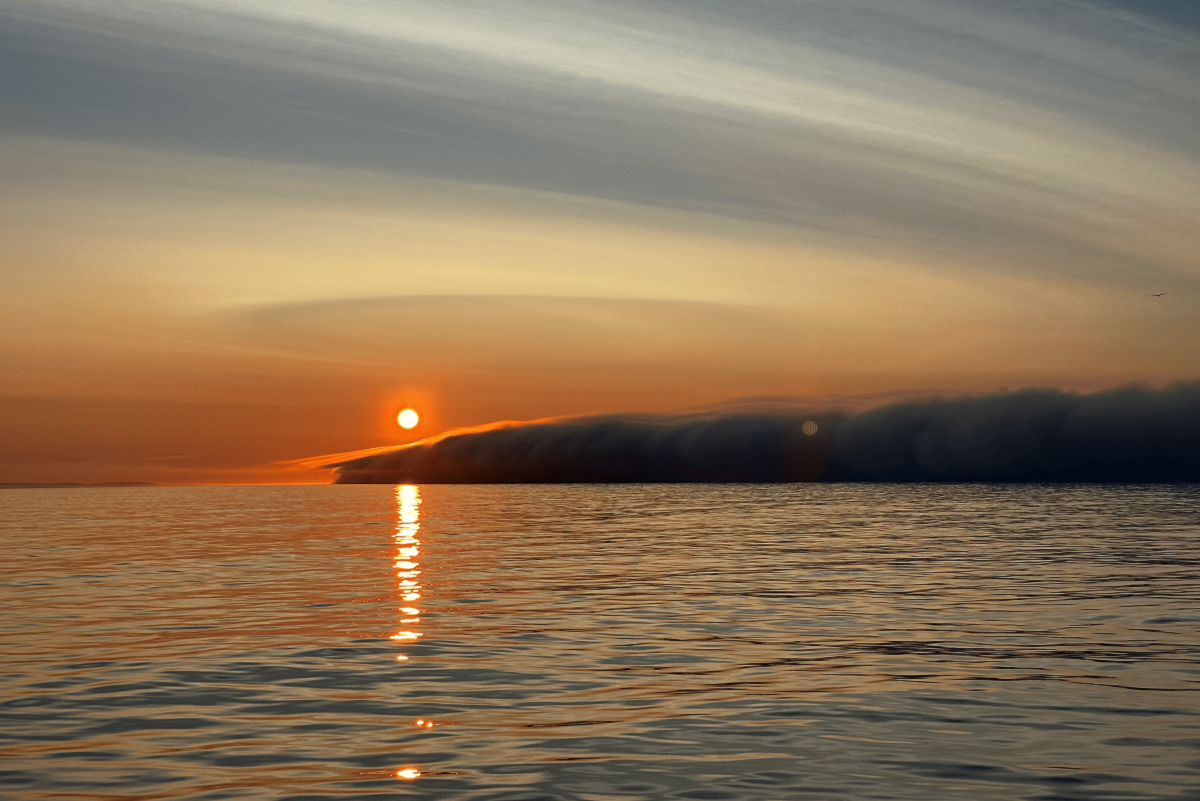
point(241, 233)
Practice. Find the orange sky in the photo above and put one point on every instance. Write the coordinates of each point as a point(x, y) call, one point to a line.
point(227, 245)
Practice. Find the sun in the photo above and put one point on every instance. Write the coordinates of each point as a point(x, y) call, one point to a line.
point(407, 418)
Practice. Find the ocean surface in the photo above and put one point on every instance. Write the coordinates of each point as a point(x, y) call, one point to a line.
point(601, 642)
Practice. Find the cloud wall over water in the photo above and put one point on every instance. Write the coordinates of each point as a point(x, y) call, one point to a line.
point(1131, 434)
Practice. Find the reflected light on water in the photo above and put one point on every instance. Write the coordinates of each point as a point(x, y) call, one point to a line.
point(408, 514)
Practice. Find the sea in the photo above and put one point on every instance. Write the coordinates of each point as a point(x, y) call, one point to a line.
point(562, 642)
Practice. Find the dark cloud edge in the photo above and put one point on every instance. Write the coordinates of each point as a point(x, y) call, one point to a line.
point(1131, 434)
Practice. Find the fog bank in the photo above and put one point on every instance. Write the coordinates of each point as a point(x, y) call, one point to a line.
point(1131, 434)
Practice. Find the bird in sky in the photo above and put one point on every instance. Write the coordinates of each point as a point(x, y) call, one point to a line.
point(1159, 294)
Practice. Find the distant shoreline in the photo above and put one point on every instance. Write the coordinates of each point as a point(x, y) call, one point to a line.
point(71, 485)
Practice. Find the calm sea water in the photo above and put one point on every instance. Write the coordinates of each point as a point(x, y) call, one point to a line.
point(612, 642)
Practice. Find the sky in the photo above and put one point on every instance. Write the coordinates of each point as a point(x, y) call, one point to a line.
point(236, 233)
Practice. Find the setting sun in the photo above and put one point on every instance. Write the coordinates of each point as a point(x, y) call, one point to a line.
point(407, 418)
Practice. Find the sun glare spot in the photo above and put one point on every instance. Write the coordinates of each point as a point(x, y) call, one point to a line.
point(407, 418)
point(406, 635)
point(408, 773)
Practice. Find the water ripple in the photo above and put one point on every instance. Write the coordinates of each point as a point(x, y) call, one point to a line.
point(512, 643)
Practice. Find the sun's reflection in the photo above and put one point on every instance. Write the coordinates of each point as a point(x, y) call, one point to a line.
point(408, 584)
point(408, 551)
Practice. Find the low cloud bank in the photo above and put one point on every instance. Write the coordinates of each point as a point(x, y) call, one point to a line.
point(1037, 435)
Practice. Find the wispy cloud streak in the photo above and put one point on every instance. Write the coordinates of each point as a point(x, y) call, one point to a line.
point(1063, 125)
